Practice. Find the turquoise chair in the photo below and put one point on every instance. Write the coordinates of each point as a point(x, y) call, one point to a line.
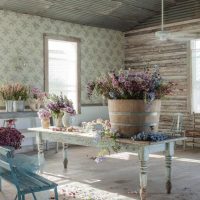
point(26, 182)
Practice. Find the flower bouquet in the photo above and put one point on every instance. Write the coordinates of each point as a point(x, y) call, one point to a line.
point(16, 94)
point(60, 105)
point(10, 137)
point(36, 98)
point(44, 115)
point(128, 84)
point(20, 95)
point(6, 92)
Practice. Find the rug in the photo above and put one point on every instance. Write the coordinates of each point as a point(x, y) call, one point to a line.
point(80, 191)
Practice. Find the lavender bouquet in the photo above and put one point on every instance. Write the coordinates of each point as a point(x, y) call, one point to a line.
point(128, 84)
point(59, 104)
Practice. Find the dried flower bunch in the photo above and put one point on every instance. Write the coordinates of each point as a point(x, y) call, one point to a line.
point(105, 124)
point(10, 137)
point(15, 91)
point(60, 103)
point(6, 92)
point(128, 84)
point(44, 113)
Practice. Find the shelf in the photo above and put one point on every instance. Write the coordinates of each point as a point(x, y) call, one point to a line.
point(15, 115)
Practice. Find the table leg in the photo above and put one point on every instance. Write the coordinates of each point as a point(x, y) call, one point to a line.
point(40, 143)
point(57, 147)
point(168, 161)
point(65, 160)
point(143, 157)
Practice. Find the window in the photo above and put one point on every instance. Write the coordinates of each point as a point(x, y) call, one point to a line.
point(195, 55)
point(62, 68)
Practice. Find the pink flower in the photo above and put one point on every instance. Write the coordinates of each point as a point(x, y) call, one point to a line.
point(36, 93)
point(115, 83)
point(69, 110)
point(44, 114)
point(35, 90)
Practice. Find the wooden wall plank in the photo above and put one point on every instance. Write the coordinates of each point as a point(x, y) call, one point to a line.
point(143, 49)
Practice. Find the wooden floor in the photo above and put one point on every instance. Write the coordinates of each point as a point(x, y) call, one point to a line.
point(119, 174)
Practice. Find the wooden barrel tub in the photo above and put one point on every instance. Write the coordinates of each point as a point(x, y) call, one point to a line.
point(130, 117)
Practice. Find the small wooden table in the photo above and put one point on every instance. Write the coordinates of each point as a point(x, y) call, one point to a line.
point(90, 139)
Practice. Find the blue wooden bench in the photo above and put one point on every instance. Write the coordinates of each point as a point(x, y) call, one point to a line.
point(26, 182)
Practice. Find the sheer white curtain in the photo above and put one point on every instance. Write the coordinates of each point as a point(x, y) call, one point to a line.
point(195, 55)
point(63, 69)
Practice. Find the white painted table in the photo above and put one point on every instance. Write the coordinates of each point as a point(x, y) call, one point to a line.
point(88, 139)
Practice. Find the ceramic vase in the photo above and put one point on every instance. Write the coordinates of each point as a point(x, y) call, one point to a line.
point(58, 120)
point(9, 106)
point(34, 104)
point(45, 123)
point(18, 106)
point(66, 119)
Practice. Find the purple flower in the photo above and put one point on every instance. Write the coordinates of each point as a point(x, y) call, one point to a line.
point(128, 84)
point(44, 114)
point(115, 83)
point(69, 110)
point(99, 159)
point(10, 137)
point(59, 104)
point(36, 93)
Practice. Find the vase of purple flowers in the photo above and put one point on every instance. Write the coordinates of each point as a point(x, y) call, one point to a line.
point(59, 105)
point(133, 99)
point(68, 112)
point(44, 115)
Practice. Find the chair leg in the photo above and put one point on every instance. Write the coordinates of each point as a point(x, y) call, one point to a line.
point(23, 197)
point(193, 143)
point(57, 147)
point(19, 197)
point(56, 193)
point(34, 196)
point(184, 141)
point(184, 145)
point(0, 184)
point(16, 197)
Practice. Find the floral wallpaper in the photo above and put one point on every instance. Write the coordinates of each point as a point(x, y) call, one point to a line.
point(21, 49)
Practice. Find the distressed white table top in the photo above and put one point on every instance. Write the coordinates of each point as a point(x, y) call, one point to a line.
point(92, 135)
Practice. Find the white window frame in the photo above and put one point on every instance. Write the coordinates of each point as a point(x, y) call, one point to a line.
point(46, 64)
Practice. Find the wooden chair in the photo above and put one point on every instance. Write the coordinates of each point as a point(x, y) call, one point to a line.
point(177, 124)
point(25, 182)
point(177, 128)
point(194, 133)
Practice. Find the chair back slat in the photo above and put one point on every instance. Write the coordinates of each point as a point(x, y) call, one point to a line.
point(25, 181)
point(6, 162)
point(177, 124)
point(5, 156)
point(5, 165)
point(5, 151)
